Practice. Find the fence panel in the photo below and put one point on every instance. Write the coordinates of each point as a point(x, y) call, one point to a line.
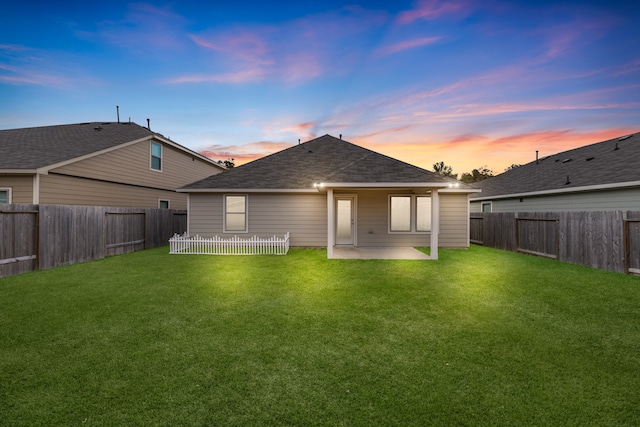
point(70, 234)
point(632, 242)
point(538, 234)
point(196, 245)
point(601, 239)
point(124, 231)
point(18, 239)
point(594, 239)
point(56, 235)
point(476, 222)
point(499, 231)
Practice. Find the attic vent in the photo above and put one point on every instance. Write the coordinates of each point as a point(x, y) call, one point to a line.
point(566, 160)
point(97, 128)
point(590, 158)
point(625, 137)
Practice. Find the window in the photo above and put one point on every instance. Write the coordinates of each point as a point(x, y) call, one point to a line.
point(423, 213)
point(409, 214)
point(486, 207)
point(5, 195)
point(400, 213)
point(163, 204)
point(235, 213)
point(156, 156)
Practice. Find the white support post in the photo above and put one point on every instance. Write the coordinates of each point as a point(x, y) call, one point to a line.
point(330, 224)
point(435, 222)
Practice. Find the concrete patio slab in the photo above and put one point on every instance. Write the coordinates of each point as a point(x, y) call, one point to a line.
point(350, 252)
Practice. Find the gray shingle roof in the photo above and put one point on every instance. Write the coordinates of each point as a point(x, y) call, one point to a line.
point(31, 148)
point(324, 159)
point(609, 162)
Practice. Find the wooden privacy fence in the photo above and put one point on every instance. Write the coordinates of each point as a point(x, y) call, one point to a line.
point(183, 244)
point(609, 240)
point(36, 237)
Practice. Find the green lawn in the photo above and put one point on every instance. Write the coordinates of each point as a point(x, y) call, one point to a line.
point(480, 337)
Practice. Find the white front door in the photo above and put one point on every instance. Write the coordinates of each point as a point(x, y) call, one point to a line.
point(345, 220)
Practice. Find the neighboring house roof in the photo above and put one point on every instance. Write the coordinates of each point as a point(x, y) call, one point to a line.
point(608, 164)
point(39, 147)
point(322, 160)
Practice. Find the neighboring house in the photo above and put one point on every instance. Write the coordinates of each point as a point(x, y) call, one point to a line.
point(597, 177)
point(97, 164)
point(328, 192)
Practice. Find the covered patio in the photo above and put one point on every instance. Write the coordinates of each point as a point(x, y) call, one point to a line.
point(351, 252)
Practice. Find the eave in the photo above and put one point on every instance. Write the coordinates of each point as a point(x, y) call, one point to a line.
point(246, 190)
point(598, 187)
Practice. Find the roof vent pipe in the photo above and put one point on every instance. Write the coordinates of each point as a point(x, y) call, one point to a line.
point(118, 112)
point(340, 136)
point(149, 124)
point(617, 148)
point(298, 141)
point(568, 182)
point(537, 157)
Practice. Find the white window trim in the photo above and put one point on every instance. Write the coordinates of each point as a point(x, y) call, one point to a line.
point(8, 190)
point(486, 203)
point(164, 200)
point(151, 156)
point(414, 208)
point(246, 214)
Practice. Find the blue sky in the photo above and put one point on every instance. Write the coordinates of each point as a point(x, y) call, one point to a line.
point(470, 83)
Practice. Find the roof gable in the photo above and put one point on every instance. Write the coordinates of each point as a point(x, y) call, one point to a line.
point(324, 159)
point(610, 162)
point(32, 148)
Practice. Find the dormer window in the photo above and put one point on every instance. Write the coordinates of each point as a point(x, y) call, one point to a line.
point(156, 156)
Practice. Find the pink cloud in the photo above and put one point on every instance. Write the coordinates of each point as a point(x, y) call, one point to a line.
point(407, 44)
point(305, 131)
point(145, 27)
point(243, 45)
point(32, 67)
point(433, 9)
point(292, 51)
point(244, 76)
point(243, 153)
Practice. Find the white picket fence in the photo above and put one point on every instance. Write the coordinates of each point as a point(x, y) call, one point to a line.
point(183, 244)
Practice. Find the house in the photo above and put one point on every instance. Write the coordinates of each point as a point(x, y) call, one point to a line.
point(97, 164)
point(598, 177)
point(330, 193)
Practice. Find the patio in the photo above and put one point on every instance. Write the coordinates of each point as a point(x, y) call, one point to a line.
point(351, 252)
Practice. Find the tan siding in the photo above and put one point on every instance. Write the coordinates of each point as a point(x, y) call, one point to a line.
point(454, 218)
point(21, 187)
point(205, 214)
point(56, 189)
point(373, 222)
point(302, 215)
point(131, 165)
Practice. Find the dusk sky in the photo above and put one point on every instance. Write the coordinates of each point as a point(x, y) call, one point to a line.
point(470, 83)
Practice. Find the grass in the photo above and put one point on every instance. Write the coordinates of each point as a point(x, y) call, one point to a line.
point(481, 337)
